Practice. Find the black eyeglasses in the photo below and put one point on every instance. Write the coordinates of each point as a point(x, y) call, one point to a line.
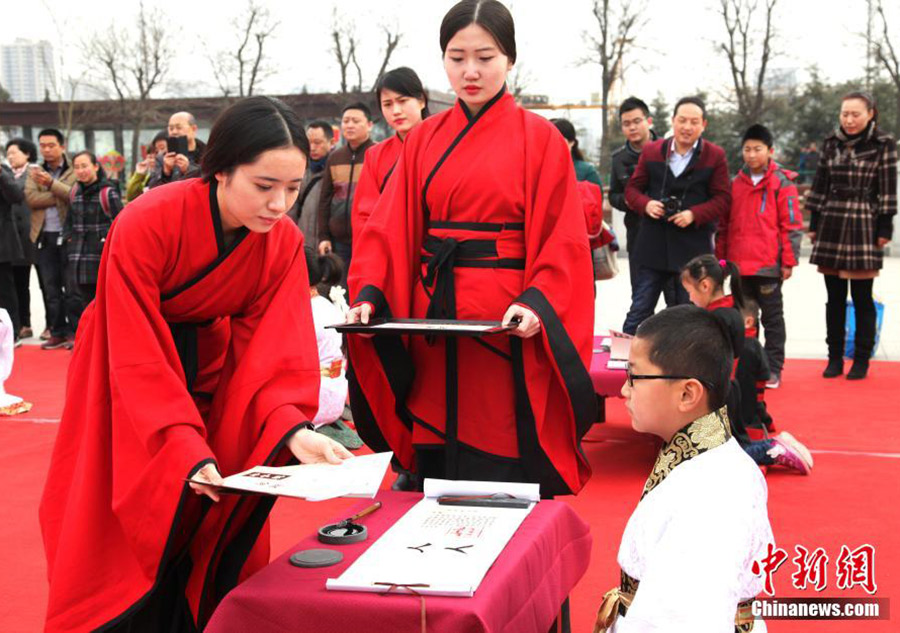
point(632, 377)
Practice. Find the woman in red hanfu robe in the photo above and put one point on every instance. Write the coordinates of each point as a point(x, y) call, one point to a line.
point(404, 104)
point(481, 220)
point(198, 356)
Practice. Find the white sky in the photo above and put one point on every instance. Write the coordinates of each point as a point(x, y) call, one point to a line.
point(677, 54)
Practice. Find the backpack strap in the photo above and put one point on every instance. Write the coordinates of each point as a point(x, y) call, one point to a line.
point(104, 200)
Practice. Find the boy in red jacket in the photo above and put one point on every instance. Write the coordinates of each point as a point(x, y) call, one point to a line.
point(761, 233)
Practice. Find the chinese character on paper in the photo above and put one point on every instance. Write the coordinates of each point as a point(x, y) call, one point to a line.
point(857, 567)
point(811, 568)
point(769, 565)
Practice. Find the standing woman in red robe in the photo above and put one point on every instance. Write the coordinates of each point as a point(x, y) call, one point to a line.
point(481, 220)
point(198, 356)
point(404, 104)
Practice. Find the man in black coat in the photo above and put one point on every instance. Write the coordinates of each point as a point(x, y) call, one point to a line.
point(637, 126)
point(680, 188)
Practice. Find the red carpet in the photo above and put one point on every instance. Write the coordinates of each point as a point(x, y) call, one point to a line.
point(849, 499)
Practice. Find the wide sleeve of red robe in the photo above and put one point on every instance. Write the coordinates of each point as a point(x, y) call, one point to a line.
point(487, 206)
point(381, 159)
point(193, 351)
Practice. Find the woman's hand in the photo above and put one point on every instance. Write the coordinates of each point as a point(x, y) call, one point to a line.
point(529, 324)
point(883, 241)
point(812, 236)
point(324, 247)
point(311, 448)
point(208, 474)
point(360, 314)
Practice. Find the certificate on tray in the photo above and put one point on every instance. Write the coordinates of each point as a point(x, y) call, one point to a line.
point(355, 477)
point(434, 327)
point(442, 546)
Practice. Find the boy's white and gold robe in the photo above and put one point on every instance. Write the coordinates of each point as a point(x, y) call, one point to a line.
point(688, 548)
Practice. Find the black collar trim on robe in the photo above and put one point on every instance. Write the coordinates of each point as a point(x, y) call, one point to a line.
point(223, 250)
point(705, 433)
point(169, 556)
point(388, 176)
point(472, 121)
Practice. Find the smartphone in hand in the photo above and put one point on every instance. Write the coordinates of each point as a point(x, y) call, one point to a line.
point(177, 144)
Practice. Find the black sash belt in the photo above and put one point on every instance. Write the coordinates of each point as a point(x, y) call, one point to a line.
point(444, 255)
point(449, 253)
point(185, 337)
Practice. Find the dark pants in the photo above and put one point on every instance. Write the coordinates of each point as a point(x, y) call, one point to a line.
point(766, 291)
point(86, 294)
point(759, 451)
point(669, 292)
point(836, 316)
point(647, 287)
point(343, 250)
point(9, 299)
point(22, 274)
point(62, 303)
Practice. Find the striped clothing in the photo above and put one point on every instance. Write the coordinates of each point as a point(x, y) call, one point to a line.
point(91, 211)
point(853, 200)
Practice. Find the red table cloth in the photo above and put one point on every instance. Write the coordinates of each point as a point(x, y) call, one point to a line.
point(607, 382)
point(521, 593)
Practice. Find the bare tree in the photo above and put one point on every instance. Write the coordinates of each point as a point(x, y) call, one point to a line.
point(241, 70)
point(65, 83)
point(134, 63)
point(518, 80)
point(392, 40)
point(609, 44)
point(738, 17)
point(888, 57)
point(344, 38)
point(346, 51)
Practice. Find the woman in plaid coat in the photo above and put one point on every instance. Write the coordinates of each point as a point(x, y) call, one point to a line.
point(94, 202)
point(852, 206)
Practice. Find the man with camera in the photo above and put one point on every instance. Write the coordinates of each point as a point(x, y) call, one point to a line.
point(681, 188)
point(184, 152)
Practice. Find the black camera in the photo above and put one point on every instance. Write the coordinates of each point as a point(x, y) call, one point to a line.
point(672, 205)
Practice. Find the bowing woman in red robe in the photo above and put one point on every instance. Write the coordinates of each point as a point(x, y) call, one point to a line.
point(197, 357)
point(404, 104)
point(481, 220)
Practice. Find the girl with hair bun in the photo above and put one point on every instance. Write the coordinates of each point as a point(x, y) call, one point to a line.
point(197, 357)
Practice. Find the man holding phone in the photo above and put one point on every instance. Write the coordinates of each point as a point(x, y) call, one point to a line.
point(184, 151)
point(47, 195)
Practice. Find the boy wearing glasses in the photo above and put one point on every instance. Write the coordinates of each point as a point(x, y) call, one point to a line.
point(702, 520)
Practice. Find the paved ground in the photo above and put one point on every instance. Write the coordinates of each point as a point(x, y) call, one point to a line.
point(804, 308)
point(804, 299)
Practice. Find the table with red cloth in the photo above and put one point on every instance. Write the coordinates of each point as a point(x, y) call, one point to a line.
point(607, 382)
point(521, 593)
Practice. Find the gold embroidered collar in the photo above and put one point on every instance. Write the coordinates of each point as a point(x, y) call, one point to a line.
point(699, 436)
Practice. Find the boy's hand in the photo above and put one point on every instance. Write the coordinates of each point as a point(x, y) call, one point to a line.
point(786, 272)
point(812, 236)
point(883, 241)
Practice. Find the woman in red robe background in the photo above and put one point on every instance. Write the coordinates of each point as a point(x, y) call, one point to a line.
point(480, 220)
point(198, 356)
point(404, 104)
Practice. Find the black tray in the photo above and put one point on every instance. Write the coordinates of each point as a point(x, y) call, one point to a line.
point(434, 327)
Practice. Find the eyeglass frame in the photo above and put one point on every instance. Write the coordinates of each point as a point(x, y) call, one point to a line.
point(630, 378)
